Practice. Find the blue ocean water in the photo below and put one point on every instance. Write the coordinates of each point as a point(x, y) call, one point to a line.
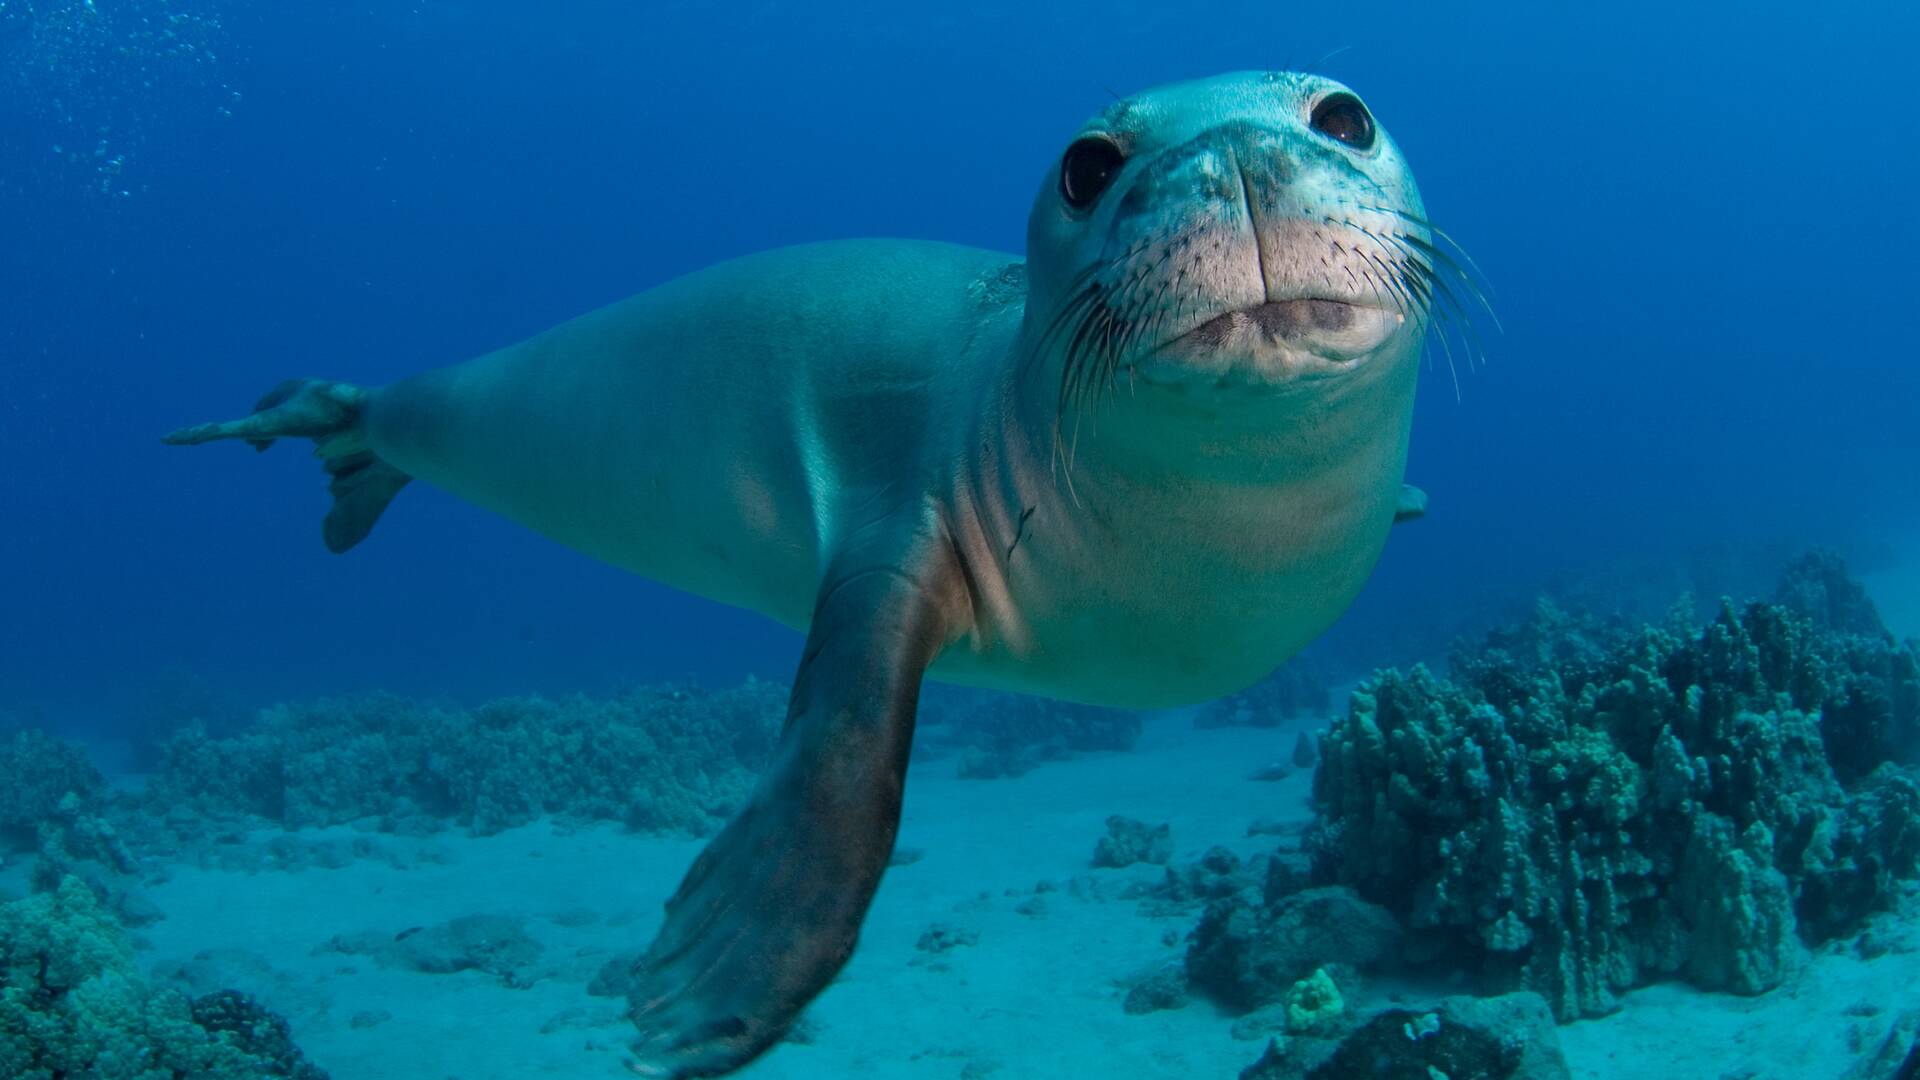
point(1690, 220)
point(1694, 221)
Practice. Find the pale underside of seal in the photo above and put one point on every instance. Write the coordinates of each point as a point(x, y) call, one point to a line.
point(1141, 468)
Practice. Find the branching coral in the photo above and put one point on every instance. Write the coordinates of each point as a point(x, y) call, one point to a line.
point(1589, 807)
point(1000, 734)
point(40, 772)
point(1299, 688)
point(656, 758)
point(72, 1004)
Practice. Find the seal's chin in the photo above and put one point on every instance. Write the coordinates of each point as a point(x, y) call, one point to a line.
point(1273, 343)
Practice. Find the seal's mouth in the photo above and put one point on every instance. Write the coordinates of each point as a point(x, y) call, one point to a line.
point(1272, 342)
point(1341, 328)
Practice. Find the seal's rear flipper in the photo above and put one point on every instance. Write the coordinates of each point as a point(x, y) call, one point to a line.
point(362, 487)
point(329, 414)
point(770, 911)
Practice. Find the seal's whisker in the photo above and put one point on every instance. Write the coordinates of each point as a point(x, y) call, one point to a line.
point(1397, 240)
point(1417, 280)
point(1421, 277)
point(1420, 222)
point(1065, 457)
point(1082, 299)
point(1435, 286)
point(1425, 260)
point(1453, 315)
point(1070, 312)
point(1095, 361)
point(1103, 355)
point(1314, 68)
point(1082, 349)
point(1467, 279)
point(1473, 279)
point(1412, 273)
point(1391, 281)
point(1077, 297)
point(1448, 321)
point(1440, 335)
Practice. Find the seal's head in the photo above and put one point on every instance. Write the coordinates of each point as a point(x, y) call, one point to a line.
point(1251, 236)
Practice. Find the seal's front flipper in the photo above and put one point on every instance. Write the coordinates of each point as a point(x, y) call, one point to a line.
point(770, 911)
point(1412, 504)
point(328, 413)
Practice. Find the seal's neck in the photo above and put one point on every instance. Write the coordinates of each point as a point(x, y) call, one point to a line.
point(1225, 538)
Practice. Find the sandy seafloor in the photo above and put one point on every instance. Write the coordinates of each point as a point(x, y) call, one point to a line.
point(1039, 995)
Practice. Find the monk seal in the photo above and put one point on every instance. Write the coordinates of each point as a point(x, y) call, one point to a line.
point(1139, 468)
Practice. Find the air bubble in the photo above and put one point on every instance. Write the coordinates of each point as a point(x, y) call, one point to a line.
point(114, 76)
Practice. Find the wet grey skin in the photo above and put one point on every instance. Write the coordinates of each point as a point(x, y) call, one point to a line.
point(1140, 468)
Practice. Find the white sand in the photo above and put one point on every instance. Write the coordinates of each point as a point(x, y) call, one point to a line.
point(1038, 996)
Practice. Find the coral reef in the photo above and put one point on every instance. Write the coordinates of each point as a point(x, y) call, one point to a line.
point(1165, 988)
point(1299, 688)
point(496, 945)
point(1401, 1045)
point(1314, 1003)
point(1217, 875)
point(670, 758)
point(170, 700)
point(41, 773)
point(1000, 735)
point(72, 1004)
point(1249, 950)
point(1895, 1055)
point(1306, 751)
point(78, 831)
point(1461, 1038)
point(255, 1032)
point(1129, 841)
point(54, 803)
point(1642, 585)
point(1817, 586)
point(1586, 806)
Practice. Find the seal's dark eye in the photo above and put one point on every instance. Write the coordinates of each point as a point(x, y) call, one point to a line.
point(1089, 166)
point(1341, 116)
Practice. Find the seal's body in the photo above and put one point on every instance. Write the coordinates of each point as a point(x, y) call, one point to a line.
point(715, 433)
point(726, 456)
point(1140, 468)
